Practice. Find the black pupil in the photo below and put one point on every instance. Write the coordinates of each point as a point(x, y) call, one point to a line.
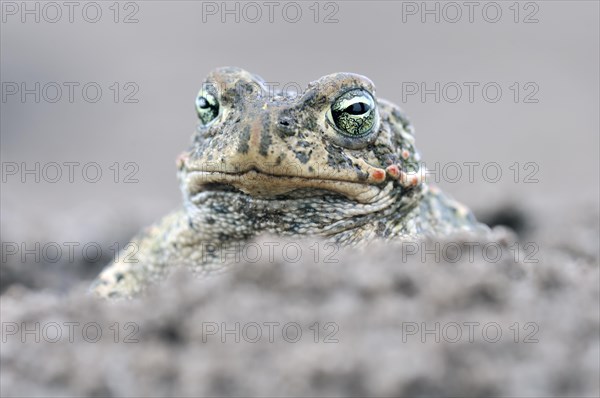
point(203, 103)
point(358, 108)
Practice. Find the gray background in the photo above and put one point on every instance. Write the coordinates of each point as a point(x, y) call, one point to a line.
point(170, 50)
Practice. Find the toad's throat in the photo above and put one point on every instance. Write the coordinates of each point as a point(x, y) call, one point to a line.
point(264, 185)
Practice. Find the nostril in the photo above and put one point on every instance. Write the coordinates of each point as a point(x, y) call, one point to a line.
point(286, 125)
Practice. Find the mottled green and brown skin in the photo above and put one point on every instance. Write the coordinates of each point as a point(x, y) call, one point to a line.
point(281, 165)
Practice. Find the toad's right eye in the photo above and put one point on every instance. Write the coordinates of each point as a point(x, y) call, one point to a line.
point(354, 113)
point(207, 107)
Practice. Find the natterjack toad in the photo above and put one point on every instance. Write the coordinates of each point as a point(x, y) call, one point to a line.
point(334, 161)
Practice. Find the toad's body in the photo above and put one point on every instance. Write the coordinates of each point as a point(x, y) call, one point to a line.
point(333, 162)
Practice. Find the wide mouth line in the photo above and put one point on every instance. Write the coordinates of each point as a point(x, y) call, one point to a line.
point(254, 171)
point(259, 184)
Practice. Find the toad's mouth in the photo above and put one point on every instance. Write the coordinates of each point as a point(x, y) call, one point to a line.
point(259, 184)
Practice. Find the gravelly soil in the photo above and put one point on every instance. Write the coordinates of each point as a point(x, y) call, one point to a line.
point(388, 323)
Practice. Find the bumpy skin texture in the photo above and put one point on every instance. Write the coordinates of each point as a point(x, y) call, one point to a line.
point(280, 164)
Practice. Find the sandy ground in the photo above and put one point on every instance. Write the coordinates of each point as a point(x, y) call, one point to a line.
point(377, 323)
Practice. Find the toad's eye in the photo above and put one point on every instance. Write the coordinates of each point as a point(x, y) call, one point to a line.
point(353, 113)
point(207, 107)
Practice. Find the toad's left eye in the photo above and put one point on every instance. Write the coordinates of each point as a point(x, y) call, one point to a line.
point(353, 113)
point(207, 107)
